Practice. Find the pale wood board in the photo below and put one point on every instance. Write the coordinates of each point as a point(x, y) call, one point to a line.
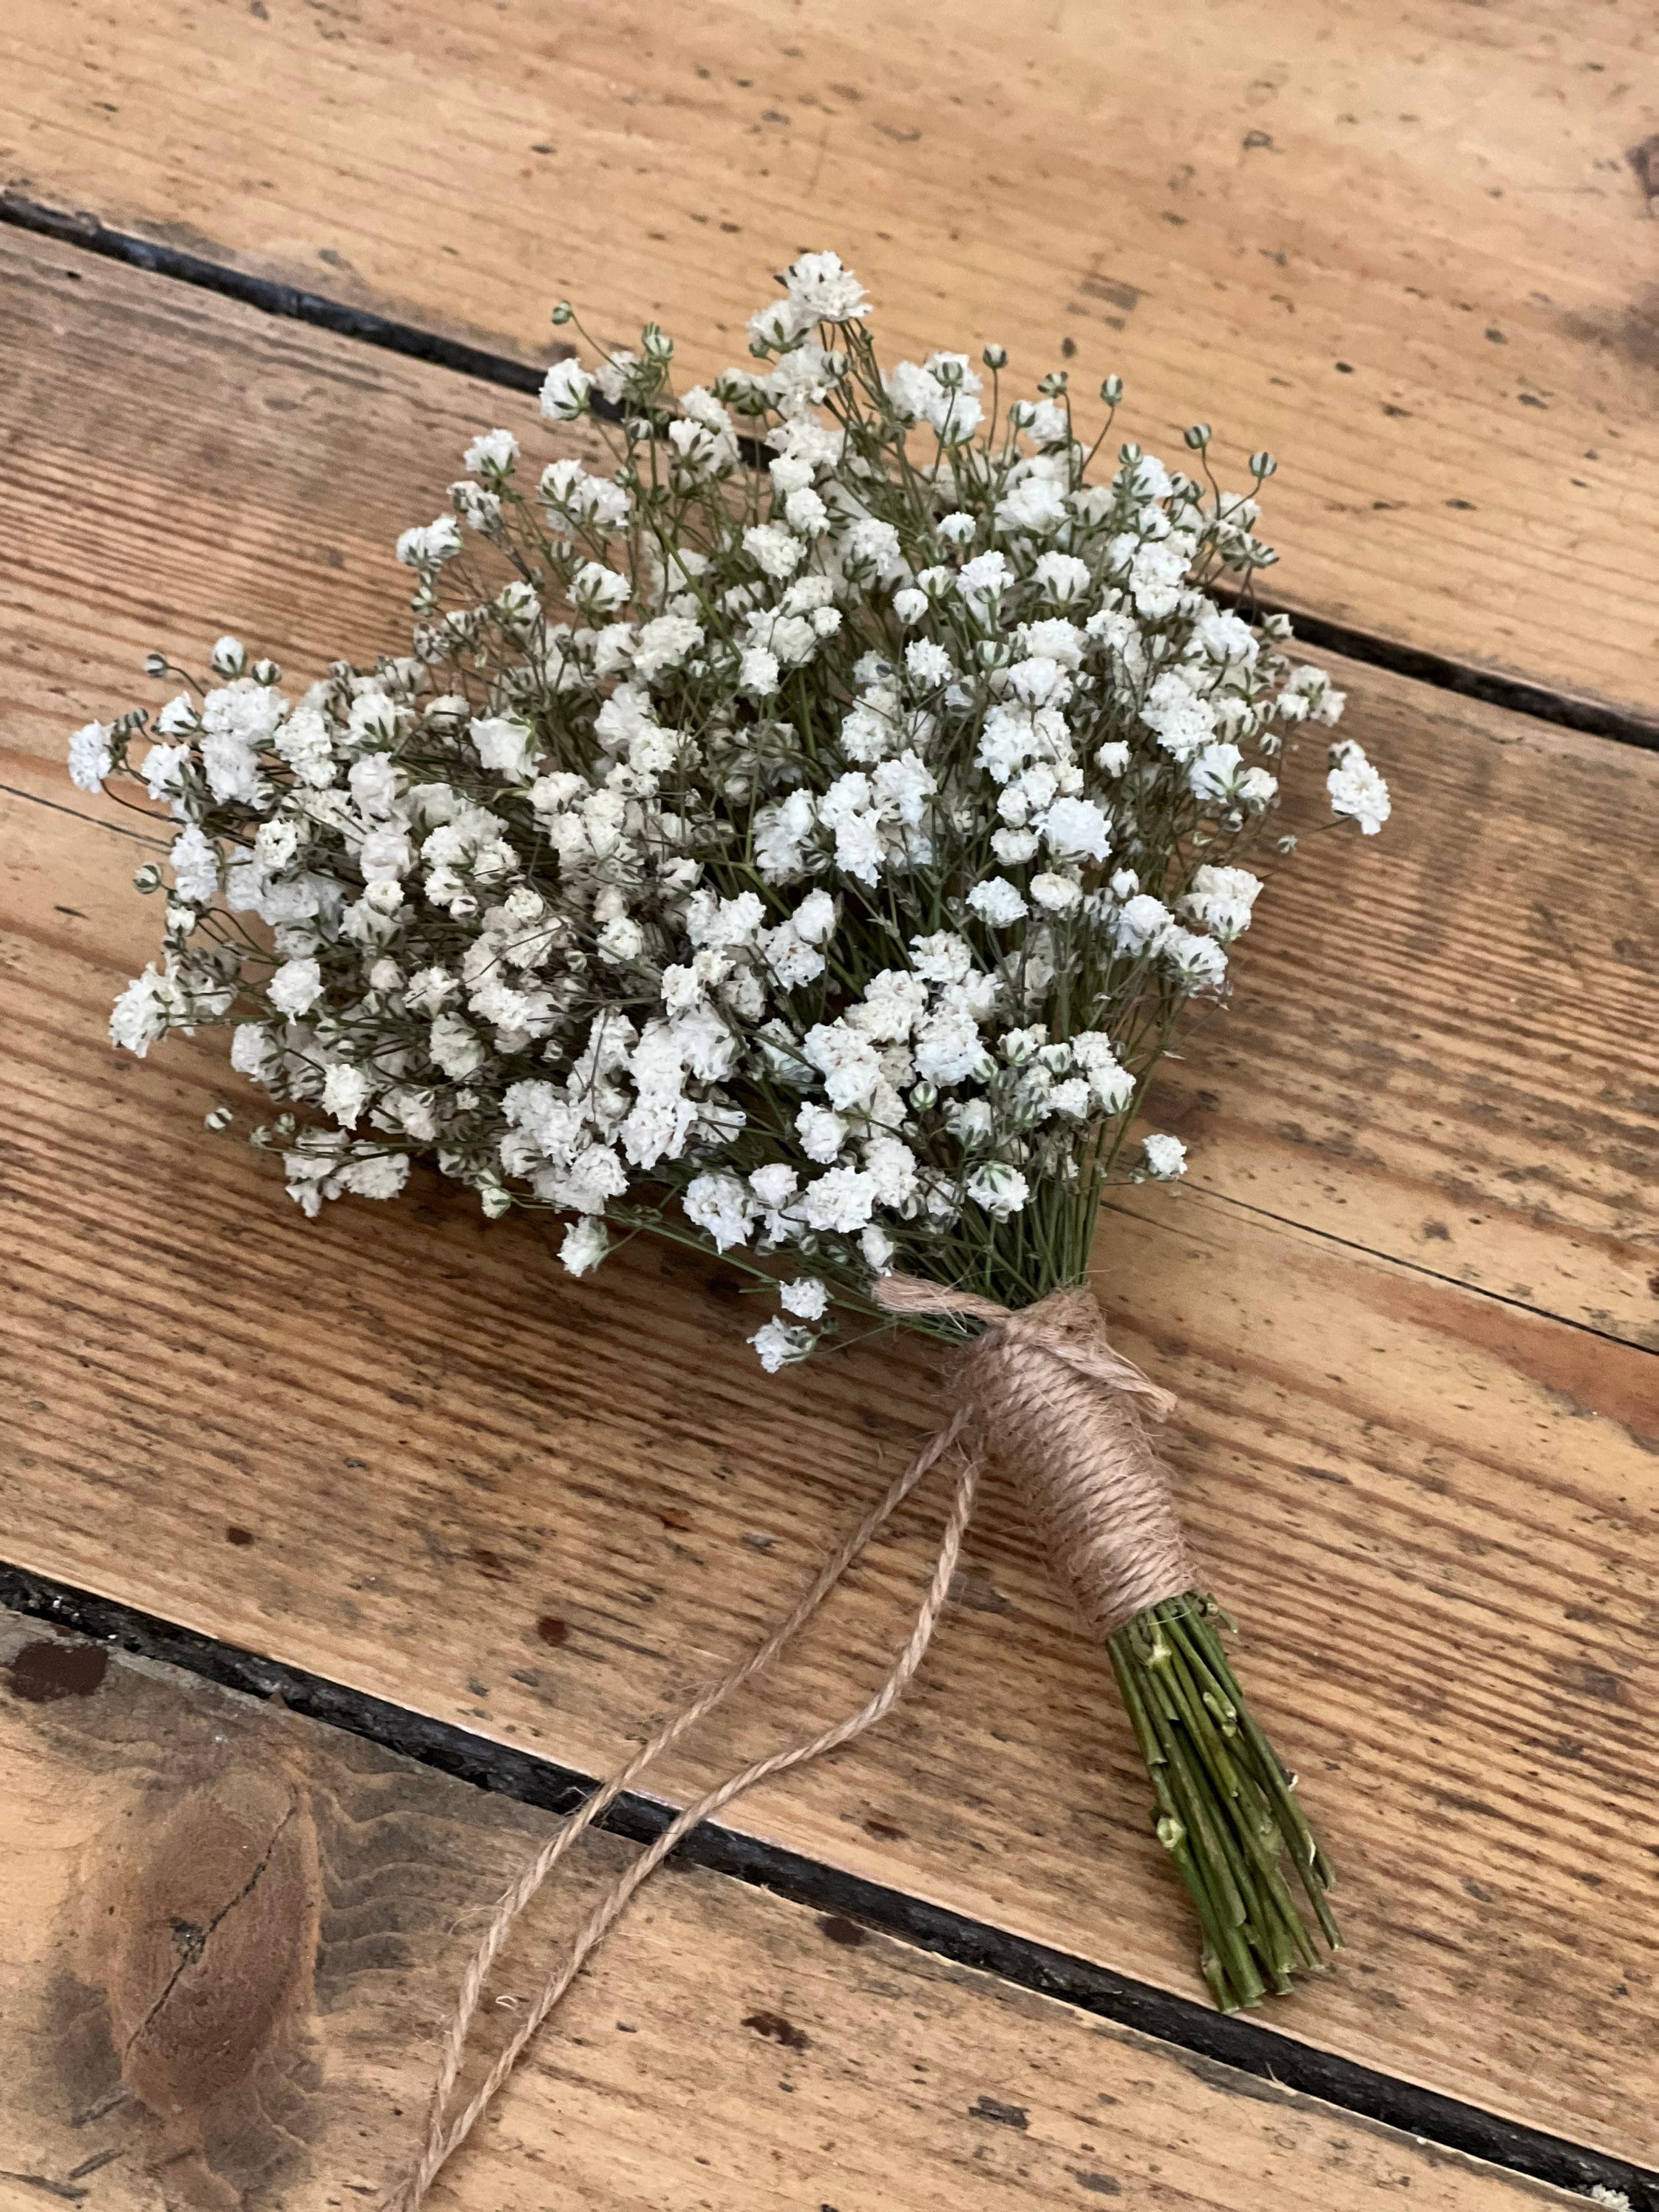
point(1405, 246)
point(1439, 1048)
point(227, 1937)
point(398, 1447)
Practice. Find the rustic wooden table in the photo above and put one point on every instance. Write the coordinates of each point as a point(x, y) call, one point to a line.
point(342, 1603)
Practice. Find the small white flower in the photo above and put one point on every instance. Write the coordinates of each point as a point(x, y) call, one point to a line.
point(430, 546)
point(1077, 828)
point(296, 986)
point(1000, 1190)
point(759, 671)
point(141, 1014)
point(491, 453)
point(1054, 894)
point(998, 901)
point(1166, 1157)
point(507, 746)
point(806, 1297)
point(929, 664)
point(1221, 898)
point(566, 390)
point(90, 759)
point(1356, 788)
point(345, 1093)
point(585, 1243)
point(720, 1205)
point(774, 550)
point(777, 1345)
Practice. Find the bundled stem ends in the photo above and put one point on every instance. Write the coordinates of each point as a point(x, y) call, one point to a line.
point(1225, 1806)
point(1066, 1415)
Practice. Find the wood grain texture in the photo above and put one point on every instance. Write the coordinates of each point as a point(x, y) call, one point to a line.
point(1439, 1048)
point(1405, 246)
point(227, 1934)
point(398, 1448)
point(392, 1446)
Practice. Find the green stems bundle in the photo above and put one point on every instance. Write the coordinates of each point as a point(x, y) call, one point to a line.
point(1226, 1806)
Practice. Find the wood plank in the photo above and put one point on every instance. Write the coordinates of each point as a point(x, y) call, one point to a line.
point(193, 1358)
point(397, 1449)
point(1438, 1048)
point(1404, 246)
point(230, 1935)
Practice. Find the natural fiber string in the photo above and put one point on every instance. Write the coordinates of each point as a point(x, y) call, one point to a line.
point(1062, 1413)
point(442, 2141)
point(1041, 1391)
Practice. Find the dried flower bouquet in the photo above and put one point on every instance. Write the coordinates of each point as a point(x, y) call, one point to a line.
point(800, 841)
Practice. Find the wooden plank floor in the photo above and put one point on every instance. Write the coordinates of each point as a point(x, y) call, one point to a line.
point(1457, 1476)
point(227, 1935)
point(1407, 1296)
point(1405, 246)
point(1469, 1089)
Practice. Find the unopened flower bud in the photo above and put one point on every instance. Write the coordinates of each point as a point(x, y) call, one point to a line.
point(155, 664)
point(219, 1120)
point(146, 878)
point(1197, 436)
point(995, 356)
point(1111, 390)
point(562, 313)
point(1263, 464)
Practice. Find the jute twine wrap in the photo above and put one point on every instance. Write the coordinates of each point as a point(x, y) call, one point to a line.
point(1062, 1413)
point(1041, 1391)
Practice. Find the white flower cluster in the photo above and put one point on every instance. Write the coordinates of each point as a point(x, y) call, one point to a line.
point(801, 840)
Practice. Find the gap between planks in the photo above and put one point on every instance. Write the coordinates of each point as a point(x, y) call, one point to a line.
point(1440, 671)
point(1239, 2042)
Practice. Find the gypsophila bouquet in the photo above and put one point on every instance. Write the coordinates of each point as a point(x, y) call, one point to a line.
point(800, 841)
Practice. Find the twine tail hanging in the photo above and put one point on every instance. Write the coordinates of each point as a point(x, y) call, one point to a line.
point(1042, 1392)
point(443, 2137)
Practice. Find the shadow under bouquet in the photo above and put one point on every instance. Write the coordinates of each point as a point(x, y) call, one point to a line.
point(799, 839)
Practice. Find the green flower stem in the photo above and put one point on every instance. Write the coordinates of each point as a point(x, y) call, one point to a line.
point(1224, 1807)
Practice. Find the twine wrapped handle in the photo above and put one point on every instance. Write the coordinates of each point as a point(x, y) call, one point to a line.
point(1040, 1390)
point(1066, 1416)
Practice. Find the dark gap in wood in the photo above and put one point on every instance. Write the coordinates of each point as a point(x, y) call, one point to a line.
point(1207, 2037)
point(1515, 694)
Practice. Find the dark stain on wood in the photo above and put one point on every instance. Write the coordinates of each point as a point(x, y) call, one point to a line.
point(776, 2029)
point(1004, 2116)
point(1097, 2184)
point(1644, 160)
point(194, 1990)
point(840, 1929)
point(553, 1630)
point(47, 1669)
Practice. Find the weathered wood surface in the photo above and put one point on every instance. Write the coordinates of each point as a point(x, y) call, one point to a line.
point(228, 1936)
point(398, 1447)
point(1405, 246)
point(1440, 1048)
point(392, 1446)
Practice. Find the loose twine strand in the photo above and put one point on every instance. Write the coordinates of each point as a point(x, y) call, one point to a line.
point(1041, 1391)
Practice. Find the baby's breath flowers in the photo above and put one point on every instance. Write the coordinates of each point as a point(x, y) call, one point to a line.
point(800, 841)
